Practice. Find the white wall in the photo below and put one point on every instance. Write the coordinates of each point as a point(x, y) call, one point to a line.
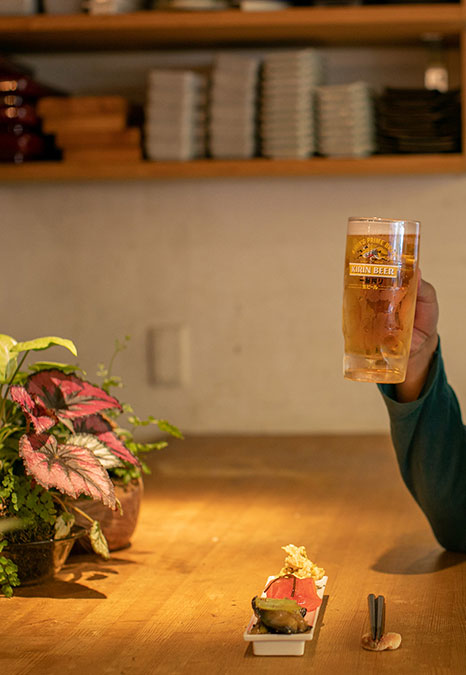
point(252, 269)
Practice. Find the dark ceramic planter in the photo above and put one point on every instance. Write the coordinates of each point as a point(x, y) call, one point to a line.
point(38, 561)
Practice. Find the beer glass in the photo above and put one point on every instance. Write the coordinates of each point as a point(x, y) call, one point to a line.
point(380, 291)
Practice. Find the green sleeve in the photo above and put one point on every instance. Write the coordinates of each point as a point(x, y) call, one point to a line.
point(430, 444)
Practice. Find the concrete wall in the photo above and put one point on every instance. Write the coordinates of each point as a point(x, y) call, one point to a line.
point(245, 274)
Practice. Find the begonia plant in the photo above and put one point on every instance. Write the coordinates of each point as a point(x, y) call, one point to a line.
point(59, 440)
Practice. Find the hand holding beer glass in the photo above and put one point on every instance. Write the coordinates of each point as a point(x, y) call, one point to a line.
point(379, 301)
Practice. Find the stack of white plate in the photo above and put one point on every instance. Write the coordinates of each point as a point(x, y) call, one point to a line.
point(63, 6)
point(12, 7)
point(113, 6)
point(345, 120)
point(175, 115)
point(232, 107)
point(287, 103)
point(191, 4)
point(263, 5)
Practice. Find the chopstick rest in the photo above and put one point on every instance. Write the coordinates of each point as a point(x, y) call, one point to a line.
point(377, 640)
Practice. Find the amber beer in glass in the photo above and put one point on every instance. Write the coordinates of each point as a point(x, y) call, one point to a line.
point(379, 297)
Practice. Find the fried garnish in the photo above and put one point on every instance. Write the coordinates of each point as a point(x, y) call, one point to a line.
point(297, 563)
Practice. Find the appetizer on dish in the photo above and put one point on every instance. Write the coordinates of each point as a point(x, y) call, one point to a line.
point(289, 601)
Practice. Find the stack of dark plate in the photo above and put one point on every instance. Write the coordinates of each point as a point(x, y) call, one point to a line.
point(21, 134)
point(418, 121)
point(345, 120)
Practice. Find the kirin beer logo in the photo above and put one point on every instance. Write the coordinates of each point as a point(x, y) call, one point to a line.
point(373, 260)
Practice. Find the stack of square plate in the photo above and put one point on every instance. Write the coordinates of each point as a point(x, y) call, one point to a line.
point(263, 5)
point(345, 120)
point(175, 115)
point(18, 7)
point(113, 6)
point(232, 110)
point(419, 120)
point(187, 5)
point(287, 103)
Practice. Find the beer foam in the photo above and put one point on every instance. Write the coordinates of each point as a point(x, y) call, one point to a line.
point(371, 226)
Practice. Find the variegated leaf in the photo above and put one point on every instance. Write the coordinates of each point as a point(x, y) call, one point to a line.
point(38, 344)
point(69, 396)
point(8, 360)
point(63, 525)
point(97, 425)
point(69, 468)
point(98, 541)
point(34, 412)
point(98, 449)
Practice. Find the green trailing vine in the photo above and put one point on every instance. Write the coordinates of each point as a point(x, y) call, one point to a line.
point(8, 572)
point(129, 472)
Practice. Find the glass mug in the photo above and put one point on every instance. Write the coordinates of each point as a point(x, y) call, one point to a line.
point(379, 300)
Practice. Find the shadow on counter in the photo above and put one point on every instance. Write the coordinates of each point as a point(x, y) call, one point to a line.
point(416, 554)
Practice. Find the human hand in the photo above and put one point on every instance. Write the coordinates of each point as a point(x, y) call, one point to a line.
point(425, 318)
point(423, 344)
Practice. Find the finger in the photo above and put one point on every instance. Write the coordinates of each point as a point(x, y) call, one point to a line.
point(426, 292)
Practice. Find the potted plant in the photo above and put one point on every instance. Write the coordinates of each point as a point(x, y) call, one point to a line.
point(118, 525)
point(59, 442)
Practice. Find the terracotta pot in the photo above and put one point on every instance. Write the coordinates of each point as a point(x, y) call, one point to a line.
point(118, 529)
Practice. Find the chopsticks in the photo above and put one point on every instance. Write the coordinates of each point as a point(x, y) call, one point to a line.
point(376, 615)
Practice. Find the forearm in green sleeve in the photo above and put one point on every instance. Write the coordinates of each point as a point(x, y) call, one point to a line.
point(430, 443)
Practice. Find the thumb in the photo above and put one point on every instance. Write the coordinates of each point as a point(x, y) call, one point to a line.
point(425, 291)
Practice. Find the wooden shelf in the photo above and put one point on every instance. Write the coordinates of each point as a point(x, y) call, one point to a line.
point(395, 24)
point(367, 25)
point(318, 166)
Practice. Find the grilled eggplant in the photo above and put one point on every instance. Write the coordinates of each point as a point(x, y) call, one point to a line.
point(279, 615)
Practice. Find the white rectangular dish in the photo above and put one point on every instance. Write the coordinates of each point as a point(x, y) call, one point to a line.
point(275, 644)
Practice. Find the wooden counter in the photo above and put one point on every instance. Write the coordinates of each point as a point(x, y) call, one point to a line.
point(215, 514)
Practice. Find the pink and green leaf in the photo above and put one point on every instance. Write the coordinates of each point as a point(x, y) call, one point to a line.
point(35, 413)
point(49, 365)
point(92, 443)
point(97, 425)
point(71, 469)
point(68, 396)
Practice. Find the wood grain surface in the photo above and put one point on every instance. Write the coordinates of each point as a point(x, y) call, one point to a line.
point(156, 30)
point(380, 165)
point(215, 513)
